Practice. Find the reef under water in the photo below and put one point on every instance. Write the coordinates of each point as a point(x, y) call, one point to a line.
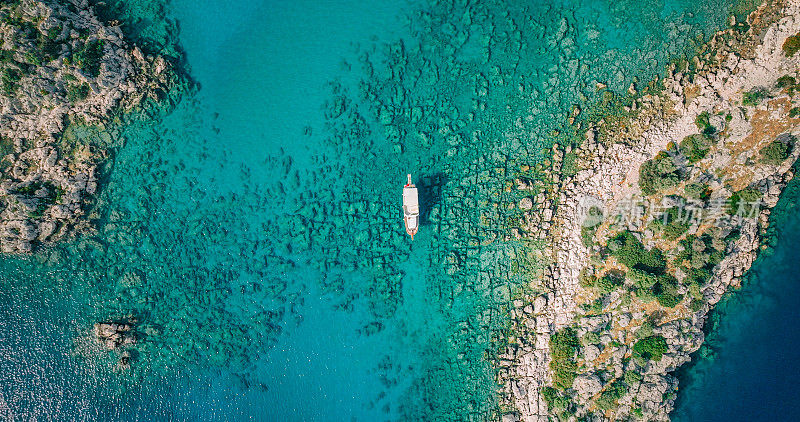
point(250, 225)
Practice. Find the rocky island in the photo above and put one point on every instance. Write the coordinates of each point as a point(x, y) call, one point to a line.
point(63, 72)
point(658, 214)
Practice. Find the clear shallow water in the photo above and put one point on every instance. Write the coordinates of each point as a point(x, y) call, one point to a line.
point(254, 230)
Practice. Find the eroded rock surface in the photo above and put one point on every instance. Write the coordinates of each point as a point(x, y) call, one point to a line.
point(63, 74)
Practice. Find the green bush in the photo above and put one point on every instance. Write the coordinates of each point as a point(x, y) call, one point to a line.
point(794, 112)
point(10, 78)
point(659, 174)
point(778, 150)
point(587, 235)
point(610, 395)
point(650, 348)
point(645, 330)
point(785, 81)
point(610, 281)
point(563, 346)
point(554, 400)
point(650, 287)
point(77, 93)
point(667, 295)
point(791, 45)
point(699, 191)
point(703, 124)
point(632, 378)
point(746, 196)
point(696, 305)
point(697, 259)
point(89, 57)
point(642, 279)
point(586, 279)
point(753, 97)
point(631, 252)
point(671, 223)
point(695, 147)
point(569, 165)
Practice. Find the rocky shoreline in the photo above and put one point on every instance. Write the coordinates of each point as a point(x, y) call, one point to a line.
point(623, 302)
point(63, 73)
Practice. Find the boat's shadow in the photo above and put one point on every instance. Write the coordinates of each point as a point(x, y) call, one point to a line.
point(430, 195)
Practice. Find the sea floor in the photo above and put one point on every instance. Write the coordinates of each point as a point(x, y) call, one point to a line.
point(253, 231)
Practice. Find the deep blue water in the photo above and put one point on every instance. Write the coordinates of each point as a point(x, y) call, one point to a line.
point(253, 229)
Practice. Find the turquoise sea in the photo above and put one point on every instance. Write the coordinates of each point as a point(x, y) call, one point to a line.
point(251, 225)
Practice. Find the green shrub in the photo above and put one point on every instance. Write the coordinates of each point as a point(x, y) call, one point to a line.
point(650, 348)
point(645, 295)
point(785, 81)
point(778, 150)
point(77, 93)
point(703, 124)
point(669, 298)
point(791, 45)
point(569, 165)
point(631, 252)
point(699, 191)
point(671, 223)
point(642, 279)
point(794, 112)
point(632, 378)
point(659, 174)
point(586, 279)
point(554, 400)
point(587, 235)
point(563, 346)
point(745, 196)
point(6, 56)
point(610, 281)
point(753, 97)
point(28, 190)
point(697, 259)
point(10, 78)
point(89, 57)
point(596, 306)
point(645, 330)
point(695, 147)
point(610, 395)
point(662, 287)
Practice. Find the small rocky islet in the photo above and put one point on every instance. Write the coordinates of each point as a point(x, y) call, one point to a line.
point(601, 313)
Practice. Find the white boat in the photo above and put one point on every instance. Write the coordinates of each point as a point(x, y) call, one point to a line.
point(411, 208)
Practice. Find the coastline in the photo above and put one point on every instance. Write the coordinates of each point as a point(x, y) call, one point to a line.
point(65, 75)
point(609, 176)
point(566, 295)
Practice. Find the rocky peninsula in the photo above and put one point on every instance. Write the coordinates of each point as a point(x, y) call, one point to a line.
point(654, 217)
point(65, 74)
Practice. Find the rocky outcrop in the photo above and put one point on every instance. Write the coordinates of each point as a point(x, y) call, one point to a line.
point(63, 73)
point(119, 337)
point(735, 83)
